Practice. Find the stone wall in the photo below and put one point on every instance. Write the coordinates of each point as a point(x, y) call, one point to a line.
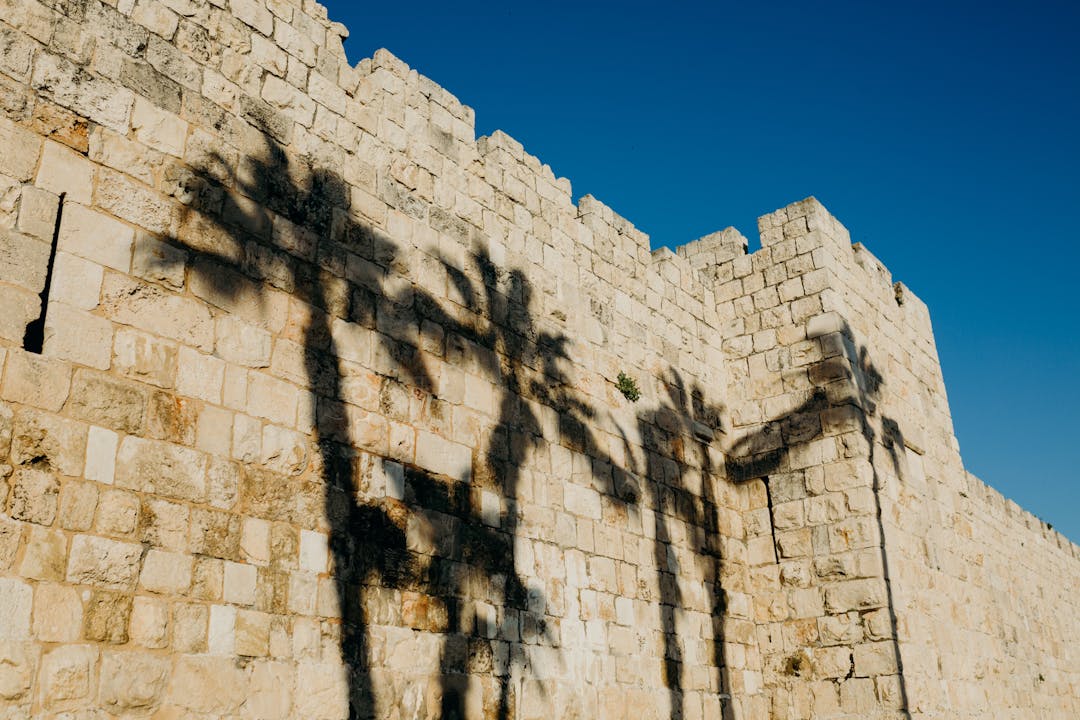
point(310, 407)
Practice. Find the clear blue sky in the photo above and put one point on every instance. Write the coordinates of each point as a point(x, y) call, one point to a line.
point(944, 135)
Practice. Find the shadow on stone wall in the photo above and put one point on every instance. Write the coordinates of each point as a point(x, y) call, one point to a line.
point(472, 553)
point(848, 385)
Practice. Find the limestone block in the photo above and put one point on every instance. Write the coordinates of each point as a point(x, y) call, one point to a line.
point(34, 494)
point(150, 308)
point(215, 533)
point(45, 556)
point(37, 214)
point(200, 376)
point(159, 129)
point(21, 307)
point(162, 469)
point(18, 662)
point(239, 583)
point(118, 512)
point(873, 659)
point(207, 684)
point(145, 358)
point(284, 451)
point(103, 562)
point(65, 171)
point(72, 334)
point(106, 617)
point(443, 457)
point(252, 633)
point(270, 694)
point(322, 690)
point(314, 551)
point(166, 573)
point(107, 402)
point(213, 434)
point(164, 524)
point(76, 282)
point(158, 262)
point(101, 446)
point(67, 674)
point(10, 534)
point(171, 418)
point(189, 626)
point(36, 381)
point(273, 399)
point(78, 502)
point(150, 623)
point(19, 151)
point(95, 237)
point(242, 343)
point(855, 595)
point(134, 202)
point(16, 600)
point(222, 629)
point(132, 682)
point(255, 541)
point(224, 483)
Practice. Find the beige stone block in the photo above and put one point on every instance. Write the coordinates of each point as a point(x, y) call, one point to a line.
point(322, 690)
point(239, 583)
point(215, 533)
point(96, 237)
point(65, 171)
point(158, 128)
point(67, 674)
point(241, 343)
point(36, 381)
point(214, 431)
point(72, 334)
point(158, 262)
point(273, 399)
point(134, 202)
point(149, 307)
point(235, 389)
point(78, 501)
point(162, 469)
point(76, 281)
point(252, 633)
point(24, 261)
point(58, 613)
point(314, 552)
point(43, 441)
point(284, 451)
point(45, 556)
point(34, 493)
point(443, 457)
point(270, 692)
point(255, 541)
point(118, 512)
point(246, 438)
point(37, 213)
point(303, 589)
point(164, 524)
point(200, 376)
point(855, 595)
point(132, 683)
point(224, 483)
point(106, 617)
point(103, 400)
point(166, 573)
point(101, 446)
point(150, 623)
point(112, 150)
point(103, 562)
point(145, 358)
point(95, 98)
point(222, 632)
point(19, 151)
point(189, 626)
point(206, 684)
point(16, 601)
point(21, 307)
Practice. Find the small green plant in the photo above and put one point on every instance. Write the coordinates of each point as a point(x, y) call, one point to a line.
point(628, 387)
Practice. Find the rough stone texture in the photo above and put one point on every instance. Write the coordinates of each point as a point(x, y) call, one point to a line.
point(327, 421)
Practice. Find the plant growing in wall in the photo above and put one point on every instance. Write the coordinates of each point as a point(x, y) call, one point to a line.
point(628, 387)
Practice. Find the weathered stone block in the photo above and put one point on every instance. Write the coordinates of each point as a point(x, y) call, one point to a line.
point(166, 573)
point(36, 381)
point(162, 469)
point(103, 562)
point(106, 617)
point(132, 682)
point(145, 358)
point(16, 599)
point(45, 556)
point(34, 494)
point(150, 622)
point(67, 674)
point(58, 613)
point(96, 237)
point(110, 403)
